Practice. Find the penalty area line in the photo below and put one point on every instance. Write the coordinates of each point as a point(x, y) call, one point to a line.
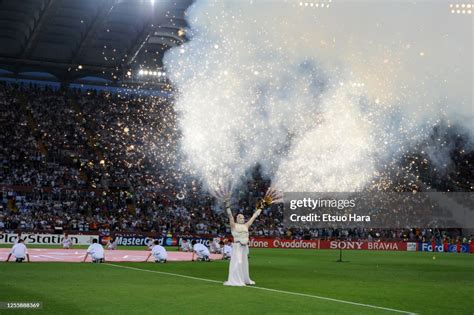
point(267, 289)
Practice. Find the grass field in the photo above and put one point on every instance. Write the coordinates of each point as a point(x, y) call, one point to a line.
point(404, 281)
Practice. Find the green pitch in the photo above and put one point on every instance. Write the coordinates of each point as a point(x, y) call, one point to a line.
point(405, 281)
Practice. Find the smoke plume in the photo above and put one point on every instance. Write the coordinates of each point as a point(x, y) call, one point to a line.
point(320, 97)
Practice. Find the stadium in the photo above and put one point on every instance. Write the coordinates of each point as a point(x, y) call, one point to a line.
point(236, 156)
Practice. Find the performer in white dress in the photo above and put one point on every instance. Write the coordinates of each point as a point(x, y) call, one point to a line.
point(239, 263)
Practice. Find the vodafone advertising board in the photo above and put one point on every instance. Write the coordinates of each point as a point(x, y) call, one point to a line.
point(257, 242)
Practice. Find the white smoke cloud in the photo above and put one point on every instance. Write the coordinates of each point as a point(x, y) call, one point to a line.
point(317, 96)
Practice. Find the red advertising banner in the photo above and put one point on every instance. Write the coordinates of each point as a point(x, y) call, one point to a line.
point(363, 245)
point(258, 242)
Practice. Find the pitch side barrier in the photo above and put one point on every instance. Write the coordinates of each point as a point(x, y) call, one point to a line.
point(45, 238)
point(138, 239)
point(134, 239)
point(324, 244)
point(257, 242)
point(131, 239)
point(446, 248)
point(126, 239)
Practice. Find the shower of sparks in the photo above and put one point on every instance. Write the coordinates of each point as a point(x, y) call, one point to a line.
point(319, 104)
point(315, 98)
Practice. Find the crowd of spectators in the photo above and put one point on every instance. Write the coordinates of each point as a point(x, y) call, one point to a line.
point(88, 161)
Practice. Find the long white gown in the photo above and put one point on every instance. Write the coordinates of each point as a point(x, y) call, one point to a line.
point(239, 262)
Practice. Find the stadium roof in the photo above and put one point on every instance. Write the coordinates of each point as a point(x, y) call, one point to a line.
point(73, 39)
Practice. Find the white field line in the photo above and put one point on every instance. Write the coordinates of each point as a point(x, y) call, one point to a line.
point(267, 289)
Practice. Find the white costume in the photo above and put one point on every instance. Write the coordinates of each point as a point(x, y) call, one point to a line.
point(201, 251)
point(227, 251)
point(19, 251)
point(96, 251)
point(149, 242)
point(67, 243)
point(186, 246)
point(239, 263)
point(112, 245)
point(159, 253)
point(215, 247)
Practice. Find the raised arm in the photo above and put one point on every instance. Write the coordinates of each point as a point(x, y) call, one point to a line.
point(254, 216)
point(231, 217)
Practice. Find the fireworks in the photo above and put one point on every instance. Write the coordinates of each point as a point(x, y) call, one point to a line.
point(327, 108)
point(321, 104)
